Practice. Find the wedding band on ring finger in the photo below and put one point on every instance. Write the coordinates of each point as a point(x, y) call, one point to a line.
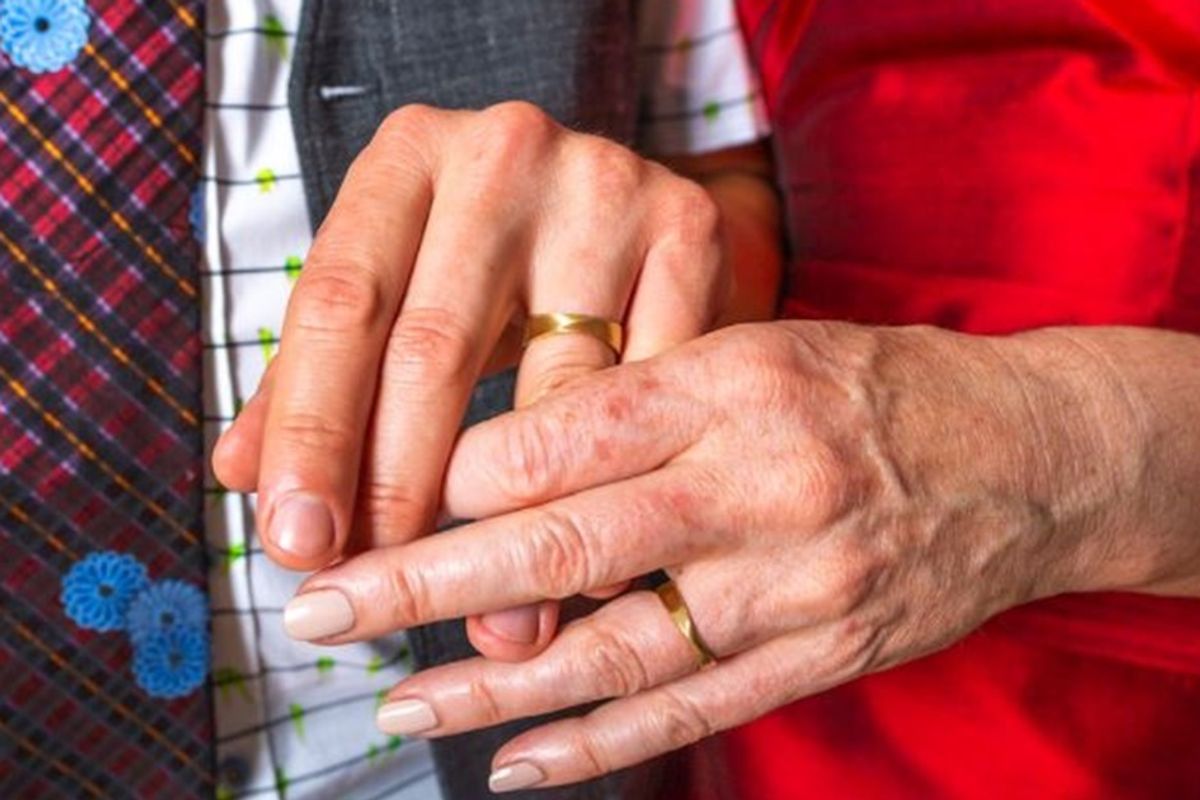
point(681, 617)
point(554, 323)
point(627, 645)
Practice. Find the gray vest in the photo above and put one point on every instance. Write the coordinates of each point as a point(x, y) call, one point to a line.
point(359, 59)
point(356, 60)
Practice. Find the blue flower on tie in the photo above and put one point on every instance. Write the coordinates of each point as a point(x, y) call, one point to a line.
point(164, 606)
point(43, 35)
point(171, 663)
point(97, 590)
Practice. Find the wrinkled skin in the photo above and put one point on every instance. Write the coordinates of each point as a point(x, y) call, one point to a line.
point(830, 499)
point(450, 228)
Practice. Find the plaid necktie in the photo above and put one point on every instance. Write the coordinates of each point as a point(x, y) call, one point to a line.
point(100, 367)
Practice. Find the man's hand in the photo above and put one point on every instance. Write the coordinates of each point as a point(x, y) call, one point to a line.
point(449, 229)
point(829, 499)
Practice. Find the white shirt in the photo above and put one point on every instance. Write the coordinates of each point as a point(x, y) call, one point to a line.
point(290, 714)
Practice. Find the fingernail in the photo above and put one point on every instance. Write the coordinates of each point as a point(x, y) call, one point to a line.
point(302, 525)
point(518, 775)
point(315, 615)
point(405, 717)
point(518, 624)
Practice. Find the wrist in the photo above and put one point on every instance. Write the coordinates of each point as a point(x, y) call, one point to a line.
point(1089, 446)
point(1136, 391)
point(1028, 436)
point(1132, 443)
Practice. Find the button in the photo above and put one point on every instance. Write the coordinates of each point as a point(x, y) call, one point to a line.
point(232, 772)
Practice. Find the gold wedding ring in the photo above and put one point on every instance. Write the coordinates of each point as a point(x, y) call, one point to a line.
point(671, 598)
point(557, 322)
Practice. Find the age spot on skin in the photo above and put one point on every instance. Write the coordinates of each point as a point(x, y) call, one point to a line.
point(684, 504)
point(617, 407)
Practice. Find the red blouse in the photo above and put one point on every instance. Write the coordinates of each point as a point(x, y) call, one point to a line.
point(991, 166)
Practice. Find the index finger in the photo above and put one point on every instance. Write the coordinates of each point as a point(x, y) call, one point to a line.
point(595, 538)
point(335, 329)
point(601, 428)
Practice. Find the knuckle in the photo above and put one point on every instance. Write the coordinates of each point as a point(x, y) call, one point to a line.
point(769, 350)
point(827, 483)
point(484, 701)
point(595, 757)
point(408, 120)
point(515, 123)
point(314, 432)
point(767, 376)
point(430, 346)
point(502, 146)
point(404, 146)
point(530, 463)
point(605, 168)
point(559, 555)
point(344, 300)
point(680, 720)
point(848, 582)
point(612, 664)
point(394, 508)
point(409, 597)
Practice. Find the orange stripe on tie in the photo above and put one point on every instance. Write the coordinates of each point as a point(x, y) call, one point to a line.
point(55, 542)
point(186, 286)
point(119, 354)
point(87, 452)
point(41, 755)
point(189, 19)
point(63, 664)
point(152, 116)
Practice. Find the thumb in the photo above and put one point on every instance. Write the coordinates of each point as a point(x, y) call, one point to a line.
point(235, 455)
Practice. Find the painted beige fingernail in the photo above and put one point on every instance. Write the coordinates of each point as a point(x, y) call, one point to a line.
point(406, 717)
point(302, 525)
point(317, 614)
point(517, 775)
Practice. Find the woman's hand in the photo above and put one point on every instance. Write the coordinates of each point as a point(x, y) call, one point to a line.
point(451, 227)
point(829, 499)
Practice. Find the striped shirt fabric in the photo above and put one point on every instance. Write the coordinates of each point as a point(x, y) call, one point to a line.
point(293, 719)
